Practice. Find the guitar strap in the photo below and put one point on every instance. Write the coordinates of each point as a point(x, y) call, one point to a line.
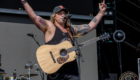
point(69, 32)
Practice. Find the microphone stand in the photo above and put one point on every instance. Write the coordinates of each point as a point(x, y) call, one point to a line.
point(36, 40)
point(14, 74)
point(29, 66)
point(39, 46)
point(78, 51)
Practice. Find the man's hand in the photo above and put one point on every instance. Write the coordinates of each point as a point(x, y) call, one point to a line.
point(23, 1)
point(102, 6)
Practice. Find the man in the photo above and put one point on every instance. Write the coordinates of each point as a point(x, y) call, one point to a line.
point(55, 32)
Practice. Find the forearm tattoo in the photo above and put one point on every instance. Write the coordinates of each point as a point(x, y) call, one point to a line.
point(42, 21)
point(82, 29)
point(94, 20)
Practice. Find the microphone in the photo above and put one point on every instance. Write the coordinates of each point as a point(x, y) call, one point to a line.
point(67, 16)
point(31, 34)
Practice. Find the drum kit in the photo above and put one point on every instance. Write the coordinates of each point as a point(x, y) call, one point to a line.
point(22, 76)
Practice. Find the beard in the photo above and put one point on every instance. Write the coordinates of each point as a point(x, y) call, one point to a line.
point(61, 21)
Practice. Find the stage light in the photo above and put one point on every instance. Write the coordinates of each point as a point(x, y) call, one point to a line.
point(119, 36)
point(108, 3)
point(110, 12)
point(105, 13)
point(110, 41)
point(108, 7)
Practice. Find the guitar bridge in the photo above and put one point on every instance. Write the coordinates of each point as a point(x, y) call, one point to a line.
point(52, 57)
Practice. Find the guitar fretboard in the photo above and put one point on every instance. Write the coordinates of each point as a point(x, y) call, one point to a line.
point(83, 44)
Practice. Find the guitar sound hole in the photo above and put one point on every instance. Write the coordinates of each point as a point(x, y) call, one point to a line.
point(63, 52)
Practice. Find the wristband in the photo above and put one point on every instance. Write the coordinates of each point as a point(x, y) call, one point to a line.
point(101, 12)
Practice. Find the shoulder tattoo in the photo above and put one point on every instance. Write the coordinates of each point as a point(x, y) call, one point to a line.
point(42, 21)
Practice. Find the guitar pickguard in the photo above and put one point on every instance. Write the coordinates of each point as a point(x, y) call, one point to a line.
point(62, 59)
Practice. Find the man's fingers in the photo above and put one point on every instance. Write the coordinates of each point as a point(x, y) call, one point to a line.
point(103, 4)
point(99, 4)
point(104, 1)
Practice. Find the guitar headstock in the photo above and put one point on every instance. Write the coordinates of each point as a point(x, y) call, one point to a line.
point(104, 36)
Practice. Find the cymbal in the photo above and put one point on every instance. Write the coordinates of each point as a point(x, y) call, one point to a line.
point(27, 75)
point(2, 73)
point(11, 78)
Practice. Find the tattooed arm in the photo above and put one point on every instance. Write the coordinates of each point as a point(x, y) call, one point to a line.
point(85, 28)
point(97, 18)
point(40, 22)
point(95, 21)
point(81, 29)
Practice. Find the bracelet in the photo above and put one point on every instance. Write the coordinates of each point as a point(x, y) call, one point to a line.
point(101, 12)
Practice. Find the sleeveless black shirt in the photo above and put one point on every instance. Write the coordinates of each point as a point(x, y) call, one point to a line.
point(70, 67)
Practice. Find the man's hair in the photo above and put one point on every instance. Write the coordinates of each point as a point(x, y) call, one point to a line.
point(67, 24)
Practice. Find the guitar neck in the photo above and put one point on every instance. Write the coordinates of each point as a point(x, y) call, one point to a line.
point(83, 44)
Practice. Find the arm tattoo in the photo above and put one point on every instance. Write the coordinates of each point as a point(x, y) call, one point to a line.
point(94, 20)
point(42, 21)
point(82, 29)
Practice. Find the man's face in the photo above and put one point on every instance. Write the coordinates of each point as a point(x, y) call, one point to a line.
point(58, 17)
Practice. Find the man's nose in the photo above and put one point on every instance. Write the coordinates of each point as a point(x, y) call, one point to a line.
point(63, 15)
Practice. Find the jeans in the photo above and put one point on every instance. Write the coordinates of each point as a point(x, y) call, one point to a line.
point(62, 77)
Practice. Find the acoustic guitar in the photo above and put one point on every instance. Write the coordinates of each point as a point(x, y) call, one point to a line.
point(52, 57)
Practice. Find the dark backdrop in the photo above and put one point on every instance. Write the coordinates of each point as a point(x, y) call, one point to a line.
point(81, 7)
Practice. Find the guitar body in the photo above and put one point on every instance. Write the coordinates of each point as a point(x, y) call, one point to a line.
point(52, 57)
point(46, 53)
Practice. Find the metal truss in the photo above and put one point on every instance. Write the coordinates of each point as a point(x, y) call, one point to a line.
point(48, 14)
point(130, 45)
point(128, 21)
point(134, 2)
